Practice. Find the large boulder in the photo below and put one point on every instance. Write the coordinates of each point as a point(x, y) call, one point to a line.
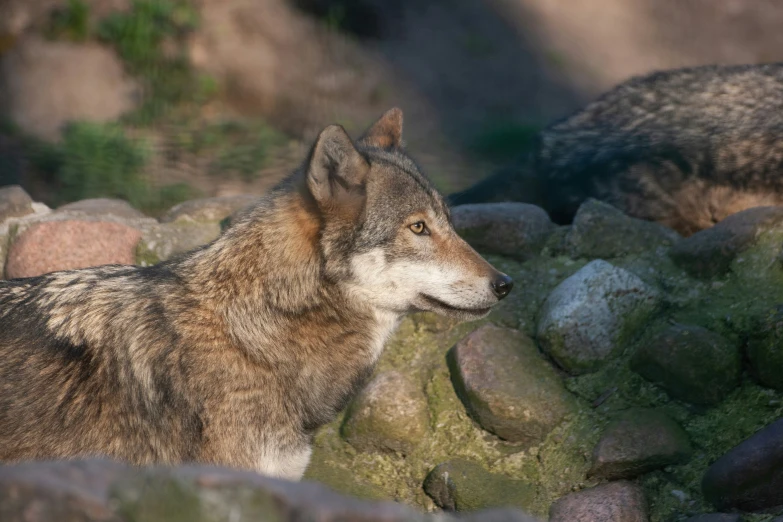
point(637, 442)
point(506, 386)
point(589, 316)
point(750, 476)
point(518, 230)
point(691, 363)
point(599, 230)
point(460, 485)
point(390, 414)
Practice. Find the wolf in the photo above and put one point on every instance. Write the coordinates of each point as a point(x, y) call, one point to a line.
point(235, 353)
point(684, 147)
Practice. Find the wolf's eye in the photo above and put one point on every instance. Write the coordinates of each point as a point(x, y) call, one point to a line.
point(419, 228)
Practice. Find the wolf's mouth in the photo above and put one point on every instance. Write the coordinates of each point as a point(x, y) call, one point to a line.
point(437, 303)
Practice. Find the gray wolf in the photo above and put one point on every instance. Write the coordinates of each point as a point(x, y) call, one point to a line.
point(684, 147)
point(235, 353)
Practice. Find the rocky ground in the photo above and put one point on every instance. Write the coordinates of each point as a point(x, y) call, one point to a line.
point(632, 375)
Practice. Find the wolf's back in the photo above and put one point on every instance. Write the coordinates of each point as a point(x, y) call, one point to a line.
point(717, 125)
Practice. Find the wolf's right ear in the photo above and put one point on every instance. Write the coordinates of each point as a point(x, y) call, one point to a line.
point(335, 168)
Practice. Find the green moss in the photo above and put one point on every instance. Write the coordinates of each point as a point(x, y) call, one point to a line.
point(71, 22)
point(145, 256)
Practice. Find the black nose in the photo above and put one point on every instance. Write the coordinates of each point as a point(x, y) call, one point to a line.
point(502, 286)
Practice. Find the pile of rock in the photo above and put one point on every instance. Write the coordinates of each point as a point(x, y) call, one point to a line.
point(610, 386)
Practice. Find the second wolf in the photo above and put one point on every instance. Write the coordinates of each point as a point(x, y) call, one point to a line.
point(683, 147)
point(234, 354)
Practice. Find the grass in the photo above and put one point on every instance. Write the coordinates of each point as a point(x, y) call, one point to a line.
point(71, 22)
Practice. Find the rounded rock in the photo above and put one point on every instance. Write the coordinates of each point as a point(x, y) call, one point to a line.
point(613, 502)
point(518, 230)
point(390, 414)
point(103, 206)
point(765, 349)
point(208, 209)
point(586, 318)
point(14, 202)
point(67, 245)
point(691, 363)
point(506, 386)
point(638, 442)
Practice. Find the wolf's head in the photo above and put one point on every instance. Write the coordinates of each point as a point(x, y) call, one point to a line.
point(387, 233)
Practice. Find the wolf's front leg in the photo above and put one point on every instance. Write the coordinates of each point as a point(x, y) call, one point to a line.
point(287, 463)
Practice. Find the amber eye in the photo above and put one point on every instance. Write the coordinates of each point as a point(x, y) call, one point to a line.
point(418, 228)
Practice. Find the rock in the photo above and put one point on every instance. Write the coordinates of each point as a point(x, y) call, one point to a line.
point(638, 442)
point(716, 517)
point(691, 363)
point(91, 85)
point(506, 386)
point(390, 414)
point(750, 476)
point(105, 491)
point(168, 239)
point(588, 317)
point(3, 253)
point(67, 245)
point(14, 202)
point(208, 209)
point(765, 349)
point(709, 253)
point(101, 207)
point(518, 230)
point(613, 502)
point(599, 230)
point(460, 485)
point(341, 480)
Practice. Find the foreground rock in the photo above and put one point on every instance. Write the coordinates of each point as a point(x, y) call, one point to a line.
point(612, 502)
point(66, 245)
point(390, 414)
point(161, 242)
point(750, 476)
point(104, 491)
point(709, 253)
point(14, 202)
point(691, 363)
point(459, 485)
point(518, 230)
point(506, 386)
point(586, 318)
point(638, 442)
point(765, 349)
point(599, 230)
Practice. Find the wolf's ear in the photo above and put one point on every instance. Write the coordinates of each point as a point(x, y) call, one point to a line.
point(386, 133)
point(336, 168)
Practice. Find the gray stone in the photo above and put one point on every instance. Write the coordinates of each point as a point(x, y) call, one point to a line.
point(750, 476)
point(106, 491)
point(709, 253)
point(638, 442)
point(390, 414)
point(165, 240)
point(102, 207)
point(691, 363)
point(588, 316)
point(506, 386)
point(518, 230)
point(716, 517)
point(461, 485)
point(765, 349)
point(208, 209)
point(613, 502)
point(599, 230)
point(14, 202)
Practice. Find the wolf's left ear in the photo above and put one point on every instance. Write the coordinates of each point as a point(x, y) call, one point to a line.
point(335, 168)
point(386, 133)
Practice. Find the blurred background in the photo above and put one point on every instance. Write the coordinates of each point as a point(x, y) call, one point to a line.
point(159, 101)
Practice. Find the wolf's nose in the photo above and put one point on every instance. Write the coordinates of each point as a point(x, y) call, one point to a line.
point(502, 286)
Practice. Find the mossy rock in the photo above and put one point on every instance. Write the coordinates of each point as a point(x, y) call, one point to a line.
point(765, 349)
point(691, 363)
point(341, 480)
point(461, 485)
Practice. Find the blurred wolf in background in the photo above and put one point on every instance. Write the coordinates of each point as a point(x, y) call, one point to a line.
point(684, 147)
point(235, 353)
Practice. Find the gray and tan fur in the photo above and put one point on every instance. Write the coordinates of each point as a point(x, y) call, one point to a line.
point(235, 353)
point(684, 147)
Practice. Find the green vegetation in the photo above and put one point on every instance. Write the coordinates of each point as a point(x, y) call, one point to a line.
point(503, 140)
point(71, 22)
